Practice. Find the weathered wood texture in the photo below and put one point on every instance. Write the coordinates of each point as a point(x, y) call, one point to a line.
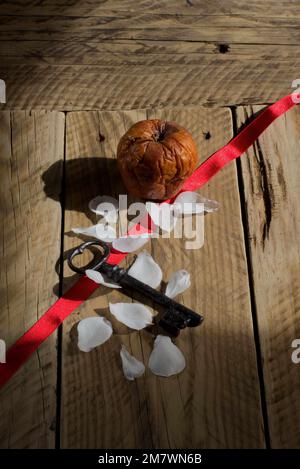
point(271, 174)
point(30, 240)
point(216, 399)
point(111, 55)
point(233, 28)
point(281, 9)
point(215, 402)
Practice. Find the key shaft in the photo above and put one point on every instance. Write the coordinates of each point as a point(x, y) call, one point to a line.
point(177, 316)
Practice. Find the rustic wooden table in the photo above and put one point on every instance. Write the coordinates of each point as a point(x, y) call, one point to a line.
point(109, 64)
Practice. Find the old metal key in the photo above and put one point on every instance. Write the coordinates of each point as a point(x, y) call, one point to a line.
point(176, 316)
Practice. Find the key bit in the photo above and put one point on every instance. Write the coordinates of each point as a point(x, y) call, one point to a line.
point(176, 315)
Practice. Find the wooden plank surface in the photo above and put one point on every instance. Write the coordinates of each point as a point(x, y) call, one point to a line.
point(217, 397)
point(93, 387)
point(256, 8)
point(136, 25)
point(76, 87)
point(85, 55)
point(215, 402)
point(147, 53)
point(271, 174)
point(30, 238)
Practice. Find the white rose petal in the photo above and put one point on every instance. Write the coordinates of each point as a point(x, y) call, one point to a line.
point(89, 231)
point(101, 279)
point(134, 315)
point(130, 243)
point(132, 367)
point(166, 359)
point(101, 231)
point(106, 206)
point(146, 270)
point(162, 215)
point(106, 232)
point(191, 202)
point(92, 332)
point(178, 283)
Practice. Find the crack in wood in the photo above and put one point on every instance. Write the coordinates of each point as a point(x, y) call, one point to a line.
point(267, 191)
point(248, 253)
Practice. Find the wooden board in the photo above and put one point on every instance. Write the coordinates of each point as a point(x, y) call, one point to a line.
point(215, 403)
point(271, 174)
point(216, 399)
point(92, 384)
point(73, 55)
point(122, 52)
point(30, 143)
point(286, 8)
point(127, 86)
point(136, 25)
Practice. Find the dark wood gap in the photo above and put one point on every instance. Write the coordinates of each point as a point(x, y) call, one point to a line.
point(147, 12)
point(61, 278)
point(146, 39)
point(258, 348)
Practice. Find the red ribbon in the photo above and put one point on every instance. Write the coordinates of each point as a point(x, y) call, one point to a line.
point(26, 345)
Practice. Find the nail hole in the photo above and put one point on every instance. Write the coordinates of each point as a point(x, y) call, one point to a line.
point(101, 137)
point(223, 48)
point(207, 135)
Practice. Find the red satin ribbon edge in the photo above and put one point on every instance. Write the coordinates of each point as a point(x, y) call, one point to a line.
point(26, 345)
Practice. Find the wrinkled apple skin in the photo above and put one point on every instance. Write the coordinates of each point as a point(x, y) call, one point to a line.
point(155, 157)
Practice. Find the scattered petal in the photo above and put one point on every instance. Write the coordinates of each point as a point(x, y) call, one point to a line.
point(100, 231)
point(130, 243)
point(210, 205)
point(134, 315)
point(162, 215)
point(90, 231)
point(106, 206)
point(191, 202)
point(106, 232)
point(146, 270)
point(92, 332)
point(166, 359)
point(132, 367)
point(101, 279)
point(178, 283)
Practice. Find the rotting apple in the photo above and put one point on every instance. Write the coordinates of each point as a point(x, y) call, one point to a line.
point(155, 157)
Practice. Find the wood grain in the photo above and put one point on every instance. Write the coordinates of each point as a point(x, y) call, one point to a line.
point(256, 8)
point(271, 174)
point(30, 240)
point(214, 82)
point(72, 55)
point(93, 386)
point(141, 26)
point(147, 52)
point(215, 402)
